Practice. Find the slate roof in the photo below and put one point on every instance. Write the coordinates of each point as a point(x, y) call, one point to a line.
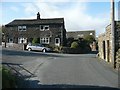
point(36, 21)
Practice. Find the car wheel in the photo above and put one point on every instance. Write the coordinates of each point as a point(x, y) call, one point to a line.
point(44, 50)
point(29, 49)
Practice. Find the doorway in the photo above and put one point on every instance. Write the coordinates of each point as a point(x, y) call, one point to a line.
point(108, 51)
point(104, 50)
point(57, 41)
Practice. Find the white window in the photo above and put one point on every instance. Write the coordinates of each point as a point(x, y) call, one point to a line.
point(80, 35)
point(91, 33)
point(57, 41)
point(21, 28)
point(22, 40)
point(24, 28)
point(44, 40)
point(44, 27)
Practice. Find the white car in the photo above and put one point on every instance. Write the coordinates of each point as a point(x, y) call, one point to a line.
point(39, 47)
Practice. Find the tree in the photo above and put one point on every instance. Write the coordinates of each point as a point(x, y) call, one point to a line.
point(89, 38)
point(35, 40)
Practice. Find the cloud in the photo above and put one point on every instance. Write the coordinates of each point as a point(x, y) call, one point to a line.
point(29, 8)
point(75, 15)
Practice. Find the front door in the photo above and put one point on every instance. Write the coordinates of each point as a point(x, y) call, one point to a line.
point(57, 41)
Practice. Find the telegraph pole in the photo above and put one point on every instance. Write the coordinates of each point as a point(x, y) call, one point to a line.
point(112, 33)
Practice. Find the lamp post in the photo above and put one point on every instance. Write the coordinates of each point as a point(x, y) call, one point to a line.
point(112, 33)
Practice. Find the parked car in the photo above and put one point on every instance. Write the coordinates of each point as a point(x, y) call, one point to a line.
point(38, 47)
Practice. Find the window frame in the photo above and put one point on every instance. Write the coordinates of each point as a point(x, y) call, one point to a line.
point(43, 27)
point(22, 28)
point(45, 40)
point(20, 39)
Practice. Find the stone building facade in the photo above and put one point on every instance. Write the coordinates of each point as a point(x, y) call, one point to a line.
point(49, 31)
point(80, 34)
point(83, 34)
point(104, 43)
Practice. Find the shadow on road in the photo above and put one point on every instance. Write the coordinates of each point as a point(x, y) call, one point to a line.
point(28, 81)
point(22, 53)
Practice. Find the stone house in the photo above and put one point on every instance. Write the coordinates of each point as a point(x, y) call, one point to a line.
point(49, 31)
point(80, 34)
point(83, 34)
point(104, 43)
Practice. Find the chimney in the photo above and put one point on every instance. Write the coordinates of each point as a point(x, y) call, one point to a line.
point(38, 15)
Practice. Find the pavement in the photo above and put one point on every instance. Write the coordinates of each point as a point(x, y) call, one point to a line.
point(70, 69)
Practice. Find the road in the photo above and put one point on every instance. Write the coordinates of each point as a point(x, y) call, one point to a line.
point(73, 69)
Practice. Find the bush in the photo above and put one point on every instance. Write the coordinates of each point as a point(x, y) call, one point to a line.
point(8, 80)
point(71, 50)
point(74, 45)
point(35, 40)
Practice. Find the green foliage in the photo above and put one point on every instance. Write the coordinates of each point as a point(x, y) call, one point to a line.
point(74, 44)
point(35, 40)
point(89, 38)
point(8, 80)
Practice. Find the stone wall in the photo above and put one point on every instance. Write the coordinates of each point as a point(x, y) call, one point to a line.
point(101, 39)
point(118, 58)
point(105, 45)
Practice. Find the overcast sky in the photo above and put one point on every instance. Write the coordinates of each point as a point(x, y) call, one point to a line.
point(78, 15)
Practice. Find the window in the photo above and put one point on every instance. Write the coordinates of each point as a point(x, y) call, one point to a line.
point(24, 28)
point(44, 27)
point(91, 33)
point(44, 40)
point(80, 35)
point(57, 41)
point(21, 28)
point(22, 40)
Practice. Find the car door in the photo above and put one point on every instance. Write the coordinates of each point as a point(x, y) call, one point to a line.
point(39, 47)
point(34, 47)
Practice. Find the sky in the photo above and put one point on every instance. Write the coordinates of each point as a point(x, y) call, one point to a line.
point(79, 15)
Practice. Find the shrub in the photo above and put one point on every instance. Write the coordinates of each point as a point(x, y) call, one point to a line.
point(74, 45)
point(71, 50)
point(35, 40)
point(8, 80)
point(89, 38)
